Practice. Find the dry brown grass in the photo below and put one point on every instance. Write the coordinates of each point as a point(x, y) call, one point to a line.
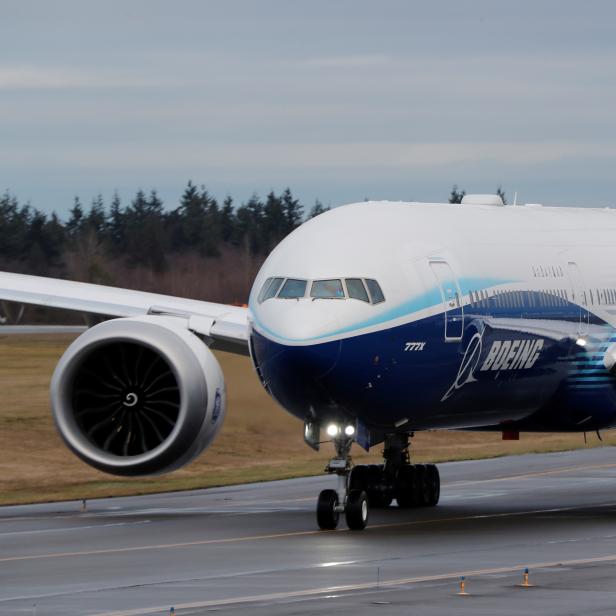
point(259, 441)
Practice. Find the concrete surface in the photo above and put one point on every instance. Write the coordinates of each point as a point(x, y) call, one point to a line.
point(254, 549)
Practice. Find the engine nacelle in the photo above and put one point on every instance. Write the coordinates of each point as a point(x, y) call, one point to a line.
point(138, 396)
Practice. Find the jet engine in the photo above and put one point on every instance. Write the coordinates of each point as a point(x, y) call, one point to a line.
point(138, 396)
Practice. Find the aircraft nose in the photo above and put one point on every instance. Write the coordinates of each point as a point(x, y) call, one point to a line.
point(296, 322)
point(293, 373)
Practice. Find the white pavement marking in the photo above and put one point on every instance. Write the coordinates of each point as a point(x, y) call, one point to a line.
point(71, 529)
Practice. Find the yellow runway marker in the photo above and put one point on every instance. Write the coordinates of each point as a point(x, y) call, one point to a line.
point(525, 583)
point(462, 592)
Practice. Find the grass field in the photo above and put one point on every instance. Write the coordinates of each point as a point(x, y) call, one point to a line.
point(259, 441)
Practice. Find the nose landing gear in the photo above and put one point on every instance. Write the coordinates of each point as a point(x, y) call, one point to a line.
point(352, 502)
point(375, 485)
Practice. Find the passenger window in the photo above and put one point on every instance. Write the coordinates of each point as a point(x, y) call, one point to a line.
point(375, 291)
point(356, 289)
point(327, 289)
point(273, 288)
point(293, 289)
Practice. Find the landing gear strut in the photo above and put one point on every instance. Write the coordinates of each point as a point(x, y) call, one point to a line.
point(375, 485)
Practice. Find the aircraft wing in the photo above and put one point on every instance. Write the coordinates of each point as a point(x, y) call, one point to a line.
point(225, 326)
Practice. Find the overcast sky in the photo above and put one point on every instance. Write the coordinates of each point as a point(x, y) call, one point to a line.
point(339, 100)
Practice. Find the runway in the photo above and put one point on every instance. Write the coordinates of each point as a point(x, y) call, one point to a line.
point(254, 549)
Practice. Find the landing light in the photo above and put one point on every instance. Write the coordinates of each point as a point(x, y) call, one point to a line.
point(581, 342)
point(332, 430)
point(349, 430)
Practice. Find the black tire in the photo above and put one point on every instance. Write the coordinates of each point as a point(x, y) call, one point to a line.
point(327, 516)
point(421, 486)
point(360, 477)
point(434, 484)
point(405, 493)
point(375, 489)
point(357, 510)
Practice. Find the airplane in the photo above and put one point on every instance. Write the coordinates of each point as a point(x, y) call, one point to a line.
point(370, 322)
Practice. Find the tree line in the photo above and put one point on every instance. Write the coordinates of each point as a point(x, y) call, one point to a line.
point(143, 232)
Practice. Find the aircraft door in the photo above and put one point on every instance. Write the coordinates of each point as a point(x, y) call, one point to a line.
point(580, 296)
point(452, 299)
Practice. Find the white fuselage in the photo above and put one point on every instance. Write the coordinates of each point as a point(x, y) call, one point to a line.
point(447, 271)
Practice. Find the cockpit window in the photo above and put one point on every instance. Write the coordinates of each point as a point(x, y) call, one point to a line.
point(327, 289)
point(264, 289)
point(270, 288)
point(356, 289)
point(364, 289)
point(293, 289)
point(375, 291)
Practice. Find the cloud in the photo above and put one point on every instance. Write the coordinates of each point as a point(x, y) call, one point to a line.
point(348, 62)
point(63, 78)
point(308, 156)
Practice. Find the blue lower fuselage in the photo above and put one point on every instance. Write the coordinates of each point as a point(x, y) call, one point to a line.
point(535, 367)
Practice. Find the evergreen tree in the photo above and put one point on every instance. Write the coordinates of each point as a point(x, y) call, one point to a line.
point(317, 209)
point(96, 219)
point(212, 226)
point(14, 222)
point(293, 211)
point(188, 220)
point(75, 223)
point(274, 221)
point(196, 223)
point(53, 240)
point(501, 193)
point(145, 231)
point(116, 232)
point(227, 221)
point(41, 253)
point(456, 196)
point(250, 225)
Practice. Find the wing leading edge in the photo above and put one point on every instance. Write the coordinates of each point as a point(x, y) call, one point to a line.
point(226, 326)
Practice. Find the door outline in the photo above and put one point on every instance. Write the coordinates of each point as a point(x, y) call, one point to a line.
point(451, 297)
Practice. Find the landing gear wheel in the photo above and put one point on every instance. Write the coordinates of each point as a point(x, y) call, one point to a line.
point(404, 487)
point(434, 484)
point(371, 479)
point(356, 510)
point(327, 516)
point(418, 485)
point(377, 495)
point(421, 486)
